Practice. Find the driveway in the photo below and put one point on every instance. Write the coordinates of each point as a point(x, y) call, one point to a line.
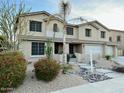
point(108, 86)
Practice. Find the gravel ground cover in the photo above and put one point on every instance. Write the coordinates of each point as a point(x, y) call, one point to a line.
point(32, 85)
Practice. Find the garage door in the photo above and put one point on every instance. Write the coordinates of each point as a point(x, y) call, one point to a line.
point(109, 50)
point(96, 51)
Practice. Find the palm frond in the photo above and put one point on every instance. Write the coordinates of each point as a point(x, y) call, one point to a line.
point(65, 8)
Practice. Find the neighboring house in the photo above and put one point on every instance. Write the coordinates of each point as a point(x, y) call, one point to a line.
point(81, 39)
point(117, 36)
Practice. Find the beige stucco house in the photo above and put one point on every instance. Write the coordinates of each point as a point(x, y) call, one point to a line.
point(81, 39)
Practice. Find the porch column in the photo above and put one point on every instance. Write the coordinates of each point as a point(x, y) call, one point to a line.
point(115, 51)
point(83, 52)
point(66, 51)
point(67, 48)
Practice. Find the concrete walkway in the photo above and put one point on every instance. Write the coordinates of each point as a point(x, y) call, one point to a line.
point(108, 86)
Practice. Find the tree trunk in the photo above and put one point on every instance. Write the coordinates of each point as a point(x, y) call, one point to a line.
point(64, 46)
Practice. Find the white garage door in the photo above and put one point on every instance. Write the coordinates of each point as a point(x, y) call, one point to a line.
point(96, 50)
point(109, 50)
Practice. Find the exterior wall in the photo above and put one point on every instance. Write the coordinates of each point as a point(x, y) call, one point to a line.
point(47, 28)
point(25, 47)
point(35, 18)
point(75, 34)
point(78, 33)
point(95, 34)
point(114, 35)
point(109, 50)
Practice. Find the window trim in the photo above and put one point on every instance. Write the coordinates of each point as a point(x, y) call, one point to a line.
point(88, 32)
point(35, 26)
point(55, 27)
point(71, 32)
point(103, 34)
point(119, 40)
point(110, 39)
point(38, 49)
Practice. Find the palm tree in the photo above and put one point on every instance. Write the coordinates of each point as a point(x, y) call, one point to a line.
point(64, 12)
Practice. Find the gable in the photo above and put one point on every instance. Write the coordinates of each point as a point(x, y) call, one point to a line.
point(100, 26)
point(97, 25)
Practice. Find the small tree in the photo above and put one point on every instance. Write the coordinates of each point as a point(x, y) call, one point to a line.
point(11, 22)
point(48, 49)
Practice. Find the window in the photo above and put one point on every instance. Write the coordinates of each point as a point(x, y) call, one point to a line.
point(88, 32)
point(55, 28)
point(118, 38)
point(69, 30)
point(102, 34)
point(37, 48)
point(35, 26)
point(110, 39)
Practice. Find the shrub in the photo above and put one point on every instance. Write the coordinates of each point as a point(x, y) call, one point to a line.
point(108, 57)
point(65, 68)
point(73, 56)
point(46, 69)
point(12, 69)
point(119, 69)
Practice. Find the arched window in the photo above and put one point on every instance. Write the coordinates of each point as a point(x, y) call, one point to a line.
point(55, 27)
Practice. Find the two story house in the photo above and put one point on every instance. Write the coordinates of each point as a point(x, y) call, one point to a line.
point(117, 36)
point(81, 39)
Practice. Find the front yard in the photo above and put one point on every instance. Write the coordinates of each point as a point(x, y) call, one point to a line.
point(32, 85)
point(62, 81)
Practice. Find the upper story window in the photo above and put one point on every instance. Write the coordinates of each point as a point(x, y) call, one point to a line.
point(69, 30)
point(37, 48)
point(55, 27)
point(110, 39)
point(102, 34)
point(118, 38)
point(35, 26)
point(88, 32)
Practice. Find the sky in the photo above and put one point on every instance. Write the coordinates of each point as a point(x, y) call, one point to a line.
point(109, 12)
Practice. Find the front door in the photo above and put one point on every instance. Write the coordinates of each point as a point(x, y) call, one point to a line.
point(71, 49)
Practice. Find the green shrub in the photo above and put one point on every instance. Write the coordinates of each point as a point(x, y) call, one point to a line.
point(46, 69)
point(12, 69)
point(65, 68)
point(73, 56)
point(108, 57)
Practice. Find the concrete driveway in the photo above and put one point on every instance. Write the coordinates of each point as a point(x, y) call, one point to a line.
point(108, 86)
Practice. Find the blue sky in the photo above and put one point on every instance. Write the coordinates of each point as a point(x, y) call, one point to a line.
point(108, 12)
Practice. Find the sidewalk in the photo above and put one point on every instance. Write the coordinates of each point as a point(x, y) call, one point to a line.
point(108, 86)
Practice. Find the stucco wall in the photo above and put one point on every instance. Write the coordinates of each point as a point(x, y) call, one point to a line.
point(25, 47)
point(114, 35)
point(47, 27)
point(35, 18)
point(95, 34)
